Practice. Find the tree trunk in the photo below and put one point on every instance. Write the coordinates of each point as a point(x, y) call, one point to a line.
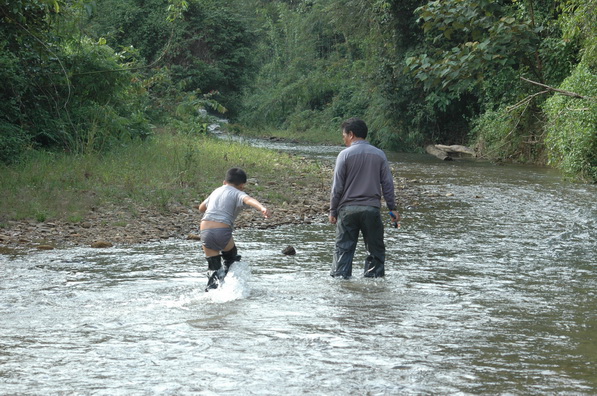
point(441, 154)
point(456, 149)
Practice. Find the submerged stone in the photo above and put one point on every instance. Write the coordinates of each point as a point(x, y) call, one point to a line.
point(289, 251)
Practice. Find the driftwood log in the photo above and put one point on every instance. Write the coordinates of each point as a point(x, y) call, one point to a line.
point(439, 153)
point(455, 148)
point(444, 152)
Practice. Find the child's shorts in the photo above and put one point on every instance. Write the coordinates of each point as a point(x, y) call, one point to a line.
point(216, 238)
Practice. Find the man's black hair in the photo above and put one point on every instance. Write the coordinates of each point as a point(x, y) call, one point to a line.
point(236, 176)
point(356, 126)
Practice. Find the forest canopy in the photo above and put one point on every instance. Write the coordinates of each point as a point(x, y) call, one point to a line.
point(515, 79)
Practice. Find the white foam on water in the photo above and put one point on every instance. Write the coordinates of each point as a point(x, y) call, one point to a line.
point(235, 286)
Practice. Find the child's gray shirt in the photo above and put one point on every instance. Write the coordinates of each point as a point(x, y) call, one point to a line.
point(224, 204)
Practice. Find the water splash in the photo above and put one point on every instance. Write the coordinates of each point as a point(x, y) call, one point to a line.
point(235, 286)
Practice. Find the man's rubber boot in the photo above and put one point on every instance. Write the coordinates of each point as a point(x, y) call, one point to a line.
point(214, 264)
point(374, 268)
point(230, 257)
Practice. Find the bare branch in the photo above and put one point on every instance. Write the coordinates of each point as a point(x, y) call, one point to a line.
point(560, 91)
point(526, 100)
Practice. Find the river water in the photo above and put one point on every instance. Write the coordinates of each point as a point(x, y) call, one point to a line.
point(491, 288)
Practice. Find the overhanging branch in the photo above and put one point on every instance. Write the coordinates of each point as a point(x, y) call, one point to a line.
point(560, 91)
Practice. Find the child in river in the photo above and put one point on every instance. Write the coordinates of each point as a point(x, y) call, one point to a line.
point(221, 209)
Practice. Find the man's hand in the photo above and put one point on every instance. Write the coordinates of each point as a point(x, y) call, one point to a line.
point(395, 219)
point(333, 219)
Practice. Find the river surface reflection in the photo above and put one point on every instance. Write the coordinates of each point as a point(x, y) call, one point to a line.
point(490, 289)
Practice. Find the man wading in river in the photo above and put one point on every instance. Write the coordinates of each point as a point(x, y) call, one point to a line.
point(361, 175)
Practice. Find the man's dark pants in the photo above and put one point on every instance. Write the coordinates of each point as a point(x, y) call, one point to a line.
point(352, 219)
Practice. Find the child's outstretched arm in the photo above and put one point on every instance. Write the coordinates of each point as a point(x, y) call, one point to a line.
point(257, 205)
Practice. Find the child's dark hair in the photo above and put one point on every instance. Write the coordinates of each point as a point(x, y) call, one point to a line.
point(356, 126)
point(236, 176)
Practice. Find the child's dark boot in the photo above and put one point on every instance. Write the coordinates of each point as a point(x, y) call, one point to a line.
point(230, 257)
point(214, 264)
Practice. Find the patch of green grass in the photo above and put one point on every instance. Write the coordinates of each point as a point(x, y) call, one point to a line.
point(75, 218)
point(312, 136)
point(41, 216)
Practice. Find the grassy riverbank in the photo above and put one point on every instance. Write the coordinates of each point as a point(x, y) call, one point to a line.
point(311, 136)
point(169, 169)
point(147, 192)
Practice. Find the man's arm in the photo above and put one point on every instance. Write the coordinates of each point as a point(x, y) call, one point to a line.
point(387, 186)
point(337, 188)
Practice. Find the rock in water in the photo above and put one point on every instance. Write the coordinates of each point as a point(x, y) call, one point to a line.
point(45, 247)
point(101, 244)
point(289, 251)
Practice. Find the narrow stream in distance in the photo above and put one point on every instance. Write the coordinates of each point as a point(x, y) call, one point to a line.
point(490, 289)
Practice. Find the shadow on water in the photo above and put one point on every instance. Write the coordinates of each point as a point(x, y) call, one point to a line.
point(490, 289)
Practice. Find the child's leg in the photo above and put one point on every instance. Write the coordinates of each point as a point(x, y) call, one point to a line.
point(229, 254)
point(216, 239)
point(229, 245)
point(214, 263)
point(210, 252)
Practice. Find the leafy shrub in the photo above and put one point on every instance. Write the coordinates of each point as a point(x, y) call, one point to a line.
point(558, 57)
point(13, 142)
point(572, 124)
point(511, 134)
point(493, 131)
point(12, 137)
point(104, 103)
point(14, 81)
point(62, 90)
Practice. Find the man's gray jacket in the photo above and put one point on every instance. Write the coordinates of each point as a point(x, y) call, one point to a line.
point(361, 175)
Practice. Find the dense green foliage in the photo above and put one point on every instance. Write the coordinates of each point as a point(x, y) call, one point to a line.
point(61, 89)
point(321, 64)
point(82, 76)
point(511, 78)
point(572, 122)
point(422, 72)
point(207, 49)
point(571, 126)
